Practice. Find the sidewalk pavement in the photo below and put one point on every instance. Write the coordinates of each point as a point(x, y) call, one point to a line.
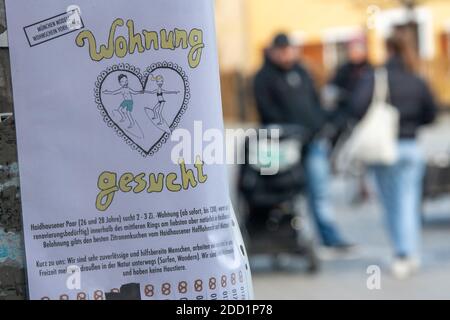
point(347, 278)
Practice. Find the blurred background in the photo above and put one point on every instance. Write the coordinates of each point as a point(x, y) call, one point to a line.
point(323, 32)
point(323, 29)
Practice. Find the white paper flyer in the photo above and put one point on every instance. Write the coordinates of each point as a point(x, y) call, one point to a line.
point(99, 88)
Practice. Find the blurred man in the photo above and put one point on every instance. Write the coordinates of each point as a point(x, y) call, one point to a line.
point(346, 79)
point(336, 97)
point(285, 95)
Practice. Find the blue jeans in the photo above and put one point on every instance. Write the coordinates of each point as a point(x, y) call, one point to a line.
point(317, 171)
point(400, 190)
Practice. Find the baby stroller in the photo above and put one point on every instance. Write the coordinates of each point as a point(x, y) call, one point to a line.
point(273, 226)
point(437, 177)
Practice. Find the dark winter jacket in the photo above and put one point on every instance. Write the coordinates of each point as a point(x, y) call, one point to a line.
point(408, 93)
point(347, 78)
point(288, 97)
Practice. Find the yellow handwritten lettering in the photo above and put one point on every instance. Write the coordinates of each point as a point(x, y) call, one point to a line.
point(181, 39)
point(187, 177)
point(167, 40)
point(170, 183)
point(156, 185)
point(107, 184)
point(124, 182)
point(202, 178)
point(151, 39)
point(120, 46)
point(135, 40)
point(141, 184)
point(197, 45)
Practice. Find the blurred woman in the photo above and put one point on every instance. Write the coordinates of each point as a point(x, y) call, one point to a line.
point(400, 185)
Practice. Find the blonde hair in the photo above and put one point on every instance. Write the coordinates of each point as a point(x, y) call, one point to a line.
point(157, 78)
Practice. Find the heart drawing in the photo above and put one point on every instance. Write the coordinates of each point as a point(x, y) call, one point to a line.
point(143, 108)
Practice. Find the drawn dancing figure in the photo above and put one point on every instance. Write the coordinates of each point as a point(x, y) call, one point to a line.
point(160, 92)
point(126, 107)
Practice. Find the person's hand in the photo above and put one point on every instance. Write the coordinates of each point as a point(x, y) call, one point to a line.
point(330, 97)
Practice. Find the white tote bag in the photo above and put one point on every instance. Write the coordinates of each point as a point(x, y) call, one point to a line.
point(374, 139)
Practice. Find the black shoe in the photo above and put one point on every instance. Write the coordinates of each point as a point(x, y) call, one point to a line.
point(342, 246)
point(342, 250)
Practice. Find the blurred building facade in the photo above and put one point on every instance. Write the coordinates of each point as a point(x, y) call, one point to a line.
point(322, 29)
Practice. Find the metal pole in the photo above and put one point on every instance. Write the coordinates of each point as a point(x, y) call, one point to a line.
point(12, 275)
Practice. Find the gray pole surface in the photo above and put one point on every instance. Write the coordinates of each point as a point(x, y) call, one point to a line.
point(12, 277)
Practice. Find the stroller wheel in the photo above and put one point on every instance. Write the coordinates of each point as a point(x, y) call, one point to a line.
point(313, 260)
point(276, 262)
